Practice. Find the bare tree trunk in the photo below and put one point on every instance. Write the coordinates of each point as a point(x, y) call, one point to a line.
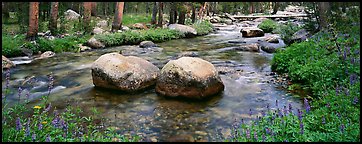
point(324, 8)
point(147, 8)
point(154, 13)
point(87, 16)
point(181, 18)
point(160, 14)
point(251, 8)
point(117, 22)
point(193, 16)
point(94, 9)
point(172, 11)
point(33, 21)
point(275, 7)
point(53, 18)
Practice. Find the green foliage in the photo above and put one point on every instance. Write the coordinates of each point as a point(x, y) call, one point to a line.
point(135, 37)
point(203, 27)
point(268, 25)
point(11, 44)
point(130, 19)
point(44, 123)
point(286, 31)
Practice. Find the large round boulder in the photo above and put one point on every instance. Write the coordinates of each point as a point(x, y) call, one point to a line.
point(126, 73)
point(252, 32)
point(94, 43)
point(189, 77)
point(187, 30)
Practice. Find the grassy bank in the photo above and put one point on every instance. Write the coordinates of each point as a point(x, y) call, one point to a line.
point(12, 44)
point(328, 64)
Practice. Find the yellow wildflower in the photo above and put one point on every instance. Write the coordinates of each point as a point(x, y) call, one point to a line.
point(37, 107)
point(44, 122)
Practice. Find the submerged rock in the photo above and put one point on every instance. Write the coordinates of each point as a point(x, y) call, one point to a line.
point(46, 54)
point(147, 44)
point(126, 73)
point(187, 30)
point(272, 39)
point(255, 47)
point(252, 32)
point(189, 77)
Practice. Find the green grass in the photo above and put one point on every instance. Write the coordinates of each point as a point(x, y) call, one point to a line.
point(203, 28)
point(130, 19)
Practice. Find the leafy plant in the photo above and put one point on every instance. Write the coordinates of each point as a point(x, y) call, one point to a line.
point(268, 25)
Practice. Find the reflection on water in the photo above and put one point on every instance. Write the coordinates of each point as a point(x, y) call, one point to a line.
point(146, 113)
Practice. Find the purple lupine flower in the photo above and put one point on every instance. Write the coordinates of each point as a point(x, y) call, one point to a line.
point(63, 124)
point(27, 131)
point(337, 90)
point(33, 137)
point(344, 55)
point(301, 128)
point(352, 60)
point(7, 79)
point(290, 108)
point(264, 138)
point(355, 100)
point(346, 71)
point(19, 92)
point(342, 128)
point(339, 115)
point(255, 135)
point(55, 113)
point(348, 50)
point(300, 113)
point(352, 78)
point(55, 122)
point(250, 113)
point(247, 133)
point(285, 110)
point(262, 113)
point(276, 103)
point(18, 124)
point(48, 139)
point(40, 126)
point(306, 105)
point(267, 130)
point(280, 114)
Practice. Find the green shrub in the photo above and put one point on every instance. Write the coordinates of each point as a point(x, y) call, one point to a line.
point(268, 25)
point(203, 27)
point(11, 45)
point(286, 31)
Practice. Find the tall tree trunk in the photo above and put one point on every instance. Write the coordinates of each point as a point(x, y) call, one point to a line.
point(154, 13)
point(147, 8)
point(251, 8)
point(275, 7)
point(171, 13)
point(181, 17)
point(33, 21)
point(94, 9)
point(53, 18)
point(160, 14)
point(193, 16)
point(117, 22)
point(324, 8)
point(5, 12)
point(87, 16)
